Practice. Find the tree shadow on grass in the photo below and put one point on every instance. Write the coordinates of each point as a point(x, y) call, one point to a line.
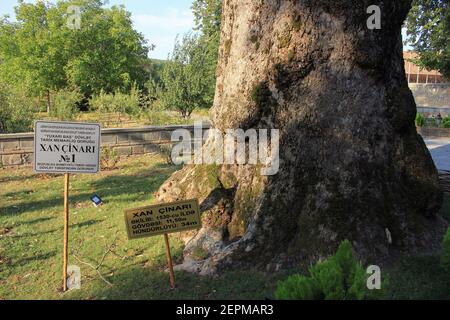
point(42, 233)
point(418, 278)
point(33, 259)
point(17, 178)
point(107, 187)
point(138, 283)
point(18, 193)
point(36, 221)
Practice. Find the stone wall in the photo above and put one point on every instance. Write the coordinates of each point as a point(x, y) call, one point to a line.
point(431, 95)
point(17, 149)
point(430, 132)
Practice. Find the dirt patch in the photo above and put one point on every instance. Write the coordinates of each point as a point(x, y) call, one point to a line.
point(81, 205)
point(8, 231)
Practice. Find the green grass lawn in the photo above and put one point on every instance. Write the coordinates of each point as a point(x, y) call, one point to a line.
point(31, 236)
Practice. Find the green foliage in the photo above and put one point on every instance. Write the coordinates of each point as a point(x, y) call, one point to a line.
point(428, 27)
point(420, 120)
point(109, 159)
point(117, 104)
point(298, 287)
point(446, 122)
point(183, 77)
point(208, 17)
point(16, 110)
point(445, 256)
point(188, 80)
point(340, 277)
point(154, 90)
point(127, 103)
point(42, 52)
point(102, 103)
point(65, 105)
point(166, 153)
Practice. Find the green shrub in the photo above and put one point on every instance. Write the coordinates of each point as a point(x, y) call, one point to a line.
point(420, 120)
point(16, 110)
point(445, 256)
point(117, 104)
point(65, 104)
point(109, 159)
point(166, 153)
point(340, 277)
point(298, 287)
point(446, 122)
point(102, 103)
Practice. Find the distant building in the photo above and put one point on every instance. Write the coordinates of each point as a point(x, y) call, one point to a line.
point(415, 75)
point(430, 89)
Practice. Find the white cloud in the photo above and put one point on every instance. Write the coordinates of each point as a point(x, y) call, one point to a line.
point(161, 30)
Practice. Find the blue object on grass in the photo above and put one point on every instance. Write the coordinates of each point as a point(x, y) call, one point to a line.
point(96, 200)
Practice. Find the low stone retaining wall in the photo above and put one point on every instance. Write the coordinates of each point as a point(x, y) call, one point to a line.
point(430, 132)
point(435, 95)
point(17, 149)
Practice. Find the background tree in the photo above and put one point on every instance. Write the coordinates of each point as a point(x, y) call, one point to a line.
point(183, 77)
point(106, 53)
point(352, 165)
point(208, 15)
point(16, 109)
point(42, 52)
point(428, 27)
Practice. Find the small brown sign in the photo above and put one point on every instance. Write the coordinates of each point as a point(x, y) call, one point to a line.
point(162, 219)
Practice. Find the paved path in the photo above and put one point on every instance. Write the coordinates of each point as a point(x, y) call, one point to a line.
point(440, 151)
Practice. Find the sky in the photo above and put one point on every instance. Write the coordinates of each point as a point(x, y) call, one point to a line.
point(158, 20)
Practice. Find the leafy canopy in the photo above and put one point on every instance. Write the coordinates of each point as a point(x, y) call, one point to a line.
point(41, 51)
point(428, 29)
point(183, 77)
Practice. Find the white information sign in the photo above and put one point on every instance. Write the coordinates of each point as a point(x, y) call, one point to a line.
point(66, 147)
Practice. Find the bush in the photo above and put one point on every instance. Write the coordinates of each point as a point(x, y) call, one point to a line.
point(445, 256)
point(109, 159)
point(298, 287)
point(184, 77)
point(16, 110)
point(117, 104)
point(420, 120)
point(341, 277)
point(128, 103)
point(166, 153)
point(65, 105)
point(446, 122)
point(102, 103)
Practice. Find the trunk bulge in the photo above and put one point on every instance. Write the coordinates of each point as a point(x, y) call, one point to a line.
point(352, 165)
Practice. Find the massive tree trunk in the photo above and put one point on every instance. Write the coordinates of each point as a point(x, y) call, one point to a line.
point(352, 165)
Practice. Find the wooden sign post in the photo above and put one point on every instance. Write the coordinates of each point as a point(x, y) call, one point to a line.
point(66, 147)
point(169, 261)
point(162, 219)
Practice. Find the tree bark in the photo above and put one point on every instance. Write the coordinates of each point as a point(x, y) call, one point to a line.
point(352, 165)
